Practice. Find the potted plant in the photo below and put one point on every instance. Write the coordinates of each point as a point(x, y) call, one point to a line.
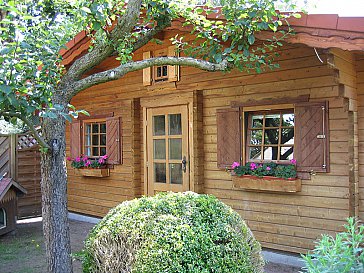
point(266, 176)
point(96, 167)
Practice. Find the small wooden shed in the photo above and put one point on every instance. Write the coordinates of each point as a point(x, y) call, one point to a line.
point(9, 191)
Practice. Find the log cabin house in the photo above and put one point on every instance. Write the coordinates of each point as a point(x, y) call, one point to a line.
point(173, 128)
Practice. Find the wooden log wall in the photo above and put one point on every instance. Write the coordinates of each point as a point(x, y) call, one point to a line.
point(360, 92)
point(281, 221)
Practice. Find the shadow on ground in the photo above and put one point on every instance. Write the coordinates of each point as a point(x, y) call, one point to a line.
point(23, 250)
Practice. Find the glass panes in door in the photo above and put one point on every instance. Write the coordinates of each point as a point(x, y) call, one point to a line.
point(167, 144)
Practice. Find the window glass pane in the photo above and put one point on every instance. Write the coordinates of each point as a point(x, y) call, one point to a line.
point(88, 140)
point(288, 120)
point(257, 121)
point(95, 151)
point(175, 148)
point(175, 173)
point(88, 129)
point(102, 139)
point(159, 125)
point(103, 128)
point(159, 148)
point(271, 136)
point(165, 71)
point(286, 153)
point(88, 151)
point(255, 153)
point(270, 153)
point(95, 128)
point(287, 136)
point(272, 120)
point(256, 137)
point(102, 151)
point(160, 172)
point(95, 139)
point(159, 71)
point(175, 124)
point(2, 218)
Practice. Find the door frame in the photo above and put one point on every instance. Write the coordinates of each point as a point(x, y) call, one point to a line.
point(171, 100)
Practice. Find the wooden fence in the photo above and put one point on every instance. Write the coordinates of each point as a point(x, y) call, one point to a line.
point(20, 159)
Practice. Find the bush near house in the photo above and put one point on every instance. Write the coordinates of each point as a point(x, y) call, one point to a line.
point(343, 253)
point(172, 232)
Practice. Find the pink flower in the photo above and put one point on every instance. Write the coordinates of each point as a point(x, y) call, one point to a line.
point(101, 161)
point(78, 159)
point(104, 157)
point(69, 158)
point(268, 168)
point(87, 163)
point(260, 166)
point(85, 158)
point(253, 166)
point(235, 164)
point(293, 161)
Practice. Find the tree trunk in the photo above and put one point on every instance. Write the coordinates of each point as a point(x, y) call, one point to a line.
point(54, 198)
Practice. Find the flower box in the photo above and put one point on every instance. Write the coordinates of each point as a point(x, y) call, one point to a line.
point(94, 172)
point(266, 183)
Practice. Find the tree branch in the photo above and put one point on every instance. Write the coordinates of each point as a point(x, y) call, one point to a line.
point(120, 71)
point(103, 50)
point(30, 126)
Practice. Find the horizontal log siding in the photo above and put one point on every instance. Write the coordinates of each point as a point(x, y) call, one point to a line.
point(360, 90)
point(280, 221)
point(286, 221)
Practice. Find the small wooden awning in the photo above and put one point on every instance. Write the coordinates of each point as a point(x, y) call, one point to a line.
point(6, 184)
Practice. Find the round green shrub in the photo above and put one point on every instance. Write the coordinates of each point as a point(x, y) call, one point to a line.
point(172, 232)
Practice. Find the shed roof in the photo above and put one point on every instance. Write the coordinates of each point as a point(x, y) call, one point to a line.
point(7, 183)
point(314, 30)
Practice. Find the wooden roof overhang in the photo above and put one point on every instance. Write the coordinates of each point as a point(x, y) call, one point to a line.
point(8, 183)
point(314, 30)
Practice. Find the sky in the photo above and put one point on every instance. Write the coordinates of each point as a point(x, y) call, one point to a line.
point(345, 8)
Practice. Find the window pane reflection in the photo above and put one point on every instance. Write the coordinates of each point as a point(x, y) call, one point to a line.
point(160, 172)
point(175, 173)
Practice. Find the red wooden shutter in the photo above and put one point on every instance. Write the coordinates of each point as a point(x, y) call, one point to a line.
point(228, 137)
point(113, 140)
point(311, 137)
point(75, 143)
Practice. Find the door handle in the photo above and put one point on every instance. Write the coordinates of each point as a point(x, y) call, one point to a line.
point(184, 163)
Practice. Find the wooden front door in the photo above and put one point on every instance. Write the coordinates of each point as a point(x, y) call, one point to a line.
point(167, 149)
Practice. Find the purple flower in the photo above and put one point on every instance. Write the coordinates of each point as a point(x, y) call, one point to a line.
point(101, 160)
point(235, 164)
point(78, 159)
point(87, 163)
point(69, 158)
point(253, 166)
point(85, 158)
point(293, 161)
point(268, 168)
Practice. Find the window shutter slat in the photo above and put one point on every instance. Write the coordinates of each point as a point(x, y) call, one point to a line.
point(147, 72)
point(113, 140)
point(173, 70)
point(75, 143)
point(228, 137)
point(311, 136)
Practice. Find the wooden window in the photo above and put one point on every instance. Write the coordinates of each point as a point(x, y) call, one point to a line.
point(298, 132)
point(270, 136)
point(162, 73)
point(97, 137)
point(94, 138)
point(2, 218)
